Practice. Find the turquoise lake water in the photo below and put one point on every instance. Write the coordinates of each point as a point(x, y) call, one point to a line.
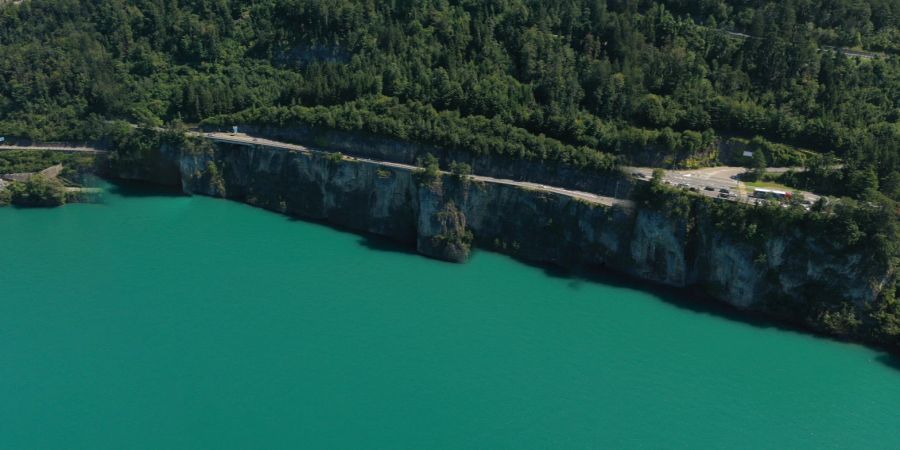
point(159, 321)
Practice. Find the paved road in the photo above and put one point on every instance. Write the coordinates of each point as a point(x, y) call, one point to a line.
point(242, 139)
point(826, 48)
point(716, 178)
point(709, 181)
point(53, 148)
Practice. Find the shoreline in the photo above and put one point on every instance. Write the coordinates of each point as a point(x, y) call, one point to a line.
point(692, 297)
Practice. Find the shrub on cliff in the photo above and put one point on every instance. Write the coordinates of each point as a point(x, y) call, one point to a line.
point(429, 171)
point(674, 203)
point(454, 239)
point(460, 170)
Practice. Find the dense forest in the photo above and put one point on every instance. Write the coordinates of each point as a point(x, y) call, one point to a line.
point(590, 81)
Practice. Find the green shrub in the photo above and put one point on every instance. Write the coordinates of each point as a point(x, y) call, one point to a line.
point(38, 191)
point(460, 170)
point(430, 170)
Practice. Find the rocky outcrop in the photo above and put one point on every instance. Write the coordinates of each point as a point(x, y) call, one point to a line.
point(444, 217)
point(442, 231)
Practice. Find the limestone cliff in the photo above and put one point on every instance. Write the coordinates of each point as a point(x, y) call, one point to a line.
point(443, 217)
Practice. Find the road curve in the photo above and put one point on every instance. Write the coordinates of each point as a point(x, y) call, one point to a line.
point(827, 48)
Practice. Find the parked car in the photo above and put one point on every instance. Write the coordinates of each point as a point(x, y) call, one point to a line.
point(724, 191)
point(709, 188)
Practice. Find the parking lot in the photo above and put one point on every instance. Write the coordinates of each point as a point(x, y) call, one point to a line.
point(715, 182)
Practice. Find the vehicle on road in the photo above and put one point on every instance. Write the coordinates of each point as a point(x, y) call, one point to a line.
point(771, 193)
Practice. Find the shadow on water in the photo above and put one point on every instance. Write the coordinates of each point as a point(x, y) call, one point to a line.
point(694, 300)
point(368, 240)
point(690, 299)
point(892, 361)
point(128, 188)
point(386, 245)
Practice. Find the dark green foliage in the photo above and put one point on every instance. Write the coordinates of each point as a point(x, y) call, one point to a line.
point(38, 191)
point(758, 165)
point(578, 80)
point(21, 161)
point(675, 203)
point(429, 171)
point(460, 170)
point(335, 157)
point(422, 123)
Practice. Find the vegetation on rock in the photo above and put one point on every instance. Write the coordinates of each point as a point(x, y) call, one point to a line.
point(38, 191)
point(454, 241)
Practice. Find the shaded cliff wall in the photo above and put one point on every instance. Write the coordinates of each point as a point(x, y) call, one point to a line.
point(444, 217)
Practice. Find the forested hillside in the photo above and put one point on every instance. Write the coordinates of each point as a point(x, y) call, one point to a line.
point(589, 80)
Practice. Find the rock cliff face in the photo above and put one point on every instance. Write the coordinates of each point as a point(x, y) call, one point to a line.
point(386, 149)
point(443, 218)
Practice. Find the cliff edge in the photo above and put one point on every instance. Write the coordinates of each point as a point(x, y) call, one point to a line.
point(786, 264)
